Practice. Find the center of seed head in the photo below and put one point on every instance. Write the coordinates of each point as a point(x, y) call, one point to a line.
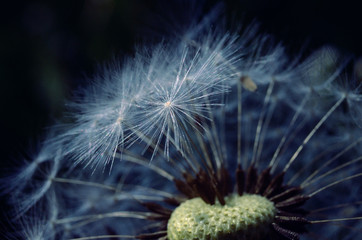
point(167, 104)
point(242, 217)
point(119, 120)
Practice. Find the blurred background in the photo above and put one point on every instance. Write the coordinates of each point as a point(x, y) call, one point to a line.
point(49, 48)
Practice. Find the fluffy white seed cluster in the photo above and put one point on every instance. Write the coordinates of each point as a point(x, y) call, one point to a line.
point(156, 98)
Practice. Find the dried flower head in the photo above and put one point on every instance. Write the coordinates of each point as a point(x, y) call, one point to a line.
point(213, 136)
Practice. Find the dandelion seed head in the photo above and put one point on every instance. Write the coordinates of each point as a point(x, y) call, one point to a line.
point(210, 126)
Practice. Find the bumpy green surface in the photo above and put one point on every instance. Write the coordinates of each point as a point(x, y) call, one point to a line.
point(242, 217)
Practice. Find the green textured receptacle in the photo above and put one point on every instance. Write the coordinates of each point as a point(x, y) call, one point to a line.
point(242, 217)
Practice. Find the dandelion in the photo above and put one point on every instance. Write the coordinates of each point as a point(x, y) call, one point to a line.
point(154, 98)
point(216, 139)
point(104, 116)
point(182, 86)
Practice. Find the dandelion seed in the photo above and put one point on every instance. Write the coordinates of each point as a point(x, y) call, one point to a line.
point(102, 115)
point(248, 83)
point(215, 142)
